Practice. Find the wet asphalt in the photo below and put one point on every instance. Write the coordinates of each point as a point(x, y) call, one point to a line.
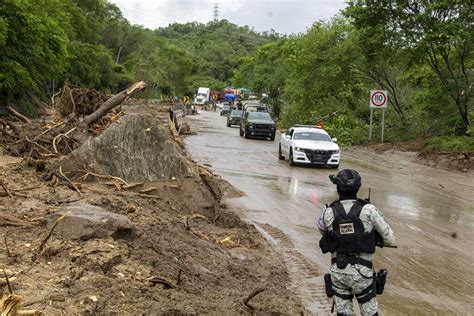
point(431, 212)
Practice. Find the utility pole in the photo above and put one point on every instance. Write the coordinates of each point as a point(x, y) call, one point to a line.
point(216, 11)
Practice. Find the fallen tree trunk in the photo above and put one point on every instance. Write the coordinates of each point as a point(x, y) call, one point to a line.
point(113, 102)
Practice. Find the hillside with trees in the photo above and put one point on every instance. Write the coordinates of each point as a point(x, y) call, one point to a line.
point(215, 49)
point(90, 44)
point(421, 53)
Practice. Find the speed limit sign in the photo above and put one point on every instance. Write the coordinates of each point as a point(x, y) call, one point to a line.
point(378, 99)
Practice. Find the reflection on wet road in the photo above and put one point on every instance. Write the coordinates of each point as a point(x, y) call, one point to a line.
point(431, 212)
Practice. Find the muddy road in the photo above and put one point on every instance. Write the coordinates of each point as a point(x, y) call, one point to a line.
point(430, 210)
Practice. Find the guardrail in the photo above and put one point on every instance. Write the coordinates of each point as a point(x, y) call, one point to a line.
point(177, 111)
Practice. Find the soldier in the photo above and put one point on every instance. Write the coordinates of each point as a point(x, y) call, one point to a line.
point(351, 229)
point(239, 105)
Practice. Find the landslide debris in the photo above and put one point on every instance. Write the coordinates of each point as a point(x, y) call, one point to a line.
point(140, 229)
point(453, 161)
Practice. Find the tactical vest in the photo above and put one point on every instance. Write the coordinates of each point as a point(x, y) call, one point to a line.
point(348, 235)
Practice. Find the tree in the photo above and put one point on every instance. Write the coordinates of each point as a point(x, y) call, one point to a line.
point(265, 71)
point(33, 45)
point(161, 64)
point(215, 47)
point(90, 66)
point(440, 31)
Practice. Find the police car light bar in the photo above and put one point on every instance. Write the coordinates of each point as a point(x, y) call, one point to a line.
point(318, 125)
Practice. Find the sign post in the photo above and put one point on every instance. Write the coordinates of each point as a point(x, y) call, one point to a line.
point(370, 127)
point(378, 100)
point(383, 124)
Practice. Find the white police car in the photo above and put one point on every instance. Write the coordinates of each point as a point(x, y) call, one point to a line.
point(307, 144)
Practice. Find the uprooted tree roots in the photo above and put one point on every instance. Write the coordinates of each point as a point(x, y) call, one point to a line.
point(39, 140)
point(78, 101)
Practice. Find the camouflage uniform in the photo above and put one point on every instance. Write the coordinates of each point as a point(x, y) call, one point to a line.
point(355, 278)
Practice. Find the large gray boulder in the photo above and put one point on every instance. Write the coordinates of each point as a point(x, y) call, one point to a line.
point(136, 148)
point(84, 221)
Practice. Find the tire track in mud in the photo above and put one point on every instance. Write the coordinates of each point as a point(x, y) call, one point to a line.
point(306, 276)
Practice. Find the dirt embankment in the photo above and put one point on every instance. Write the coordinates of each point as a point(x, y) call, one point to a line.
point(155, 239)
point(452, 161)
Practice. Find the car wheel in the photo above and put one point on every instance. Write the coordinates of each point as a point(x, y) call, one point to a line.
point(246, 133)
point(228, 125)
point(272, 137)
point(290, 159)
point(280, 156)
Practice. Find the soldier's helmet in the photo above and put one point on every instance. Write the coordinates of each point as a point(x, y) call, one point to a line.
point(347, 180)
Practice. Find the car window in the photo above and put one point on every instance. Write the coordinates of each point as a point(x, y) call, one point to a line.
point(236, 113)
point(226, 107)
point(311, 136)
point(259, 116)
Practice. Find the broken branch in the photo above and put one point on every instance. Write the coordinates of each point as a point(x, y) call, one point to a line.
point(4, 186)
point(70, 182)
point(252, 295)
point(158, 280)
point(102, 176)
point(18, 115)
point(8, 282)
point(9, 254)
point(187, 218)
point(11, 303)
point(45, 240)
point(55, 139)
point(113, 102)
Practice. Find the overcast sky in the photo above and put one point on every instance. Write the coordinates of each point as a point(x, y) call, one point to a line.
point(284, 16)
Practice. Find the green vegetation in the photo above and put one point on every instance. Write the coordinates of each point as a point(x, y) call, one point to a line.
point(215, 49)
point(450, 143)
point(89, 43)
point(420, 51)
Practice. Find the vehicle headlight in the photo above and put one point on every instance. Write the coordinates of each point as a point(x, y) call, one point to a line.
point(299, 149)
point(272, 127)
point(335, 151)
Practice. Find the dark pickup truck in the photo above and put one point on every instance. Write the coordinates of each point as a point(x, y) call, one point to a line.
point(257, 124)
point(234, 118)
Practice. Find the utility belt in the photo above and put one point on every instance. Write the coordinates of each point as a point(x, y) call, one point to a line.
point(342, 260)
point(375, 288)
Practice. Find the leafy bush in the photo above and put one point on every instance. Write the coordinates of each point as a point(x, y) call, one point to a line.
point(449, 143)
